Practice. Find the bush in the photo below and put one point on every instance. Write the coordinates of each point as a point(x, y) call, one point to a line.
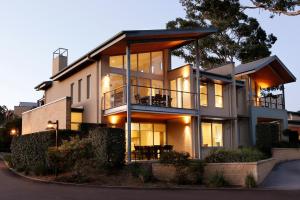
point(5, 140)
point(29, 152)
point(109, 147)
point(239, 155)
point(217, 180)
point(7, 159)
point(85, 128)
point(141, 171)
point(173, 157)
point(196, 170)
point(250, 181)
point(66, 156)
point(293, 137)
point(267, 137)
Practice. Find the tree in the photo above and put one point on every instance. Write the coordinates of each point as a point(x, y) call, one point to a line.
point(239, 37)
point(3, 113)
point(285, 7)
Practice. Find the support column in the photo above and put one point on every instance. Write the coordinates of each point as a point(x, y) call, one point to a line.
point(128, 101)
point(283, 97)
point(198, 100)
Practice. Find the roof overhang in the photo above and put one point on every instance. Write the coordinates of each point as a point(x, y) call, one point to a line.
point(140, 41)
point(43, 86)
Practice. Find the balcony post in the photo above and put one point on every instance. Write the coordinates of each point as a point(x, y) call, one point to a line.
point(199, 134)
point(128, 103)
point(283, 97)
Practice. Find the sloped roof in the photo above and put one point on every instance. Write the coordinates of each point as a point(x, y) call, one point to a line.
point(273, 61)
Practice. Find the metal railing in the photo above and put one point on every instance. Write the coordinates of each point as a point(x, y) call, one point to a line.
point(150, 96)
point(272, 101)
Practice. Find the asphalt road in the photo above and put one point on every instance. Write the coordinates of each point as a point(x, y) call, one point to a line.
point(284, 176)
point(13, 187)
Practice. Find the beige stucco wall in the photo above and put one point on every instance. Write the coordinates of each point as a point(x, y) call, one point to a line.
point(36, 120)
point(286, 154)
point(62, 89)
point(235, 173)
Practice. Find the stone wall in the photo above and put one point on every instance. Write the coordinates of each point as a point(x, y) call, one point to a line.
point(235, 173)
point(286, 154)
point(36, 120)
point(164, 172)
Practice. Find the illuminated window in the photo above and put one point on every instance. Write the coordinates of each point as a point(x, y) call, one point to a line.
point(157, 85)
point(212, 134)
point(133, 62)
point(76, 120)
point(144, 62)
point(180, 93)
point(156, 63)
point(116, 61)
point(203, 94)
point(218, 96)
point(147, 134)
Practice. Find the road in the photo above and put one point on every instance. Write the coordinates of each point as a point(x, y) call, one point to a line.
point(12, 187)
point(284, 176)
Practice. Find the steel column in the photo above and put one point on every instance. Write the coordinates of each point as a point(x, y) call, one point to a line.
point(128, 100)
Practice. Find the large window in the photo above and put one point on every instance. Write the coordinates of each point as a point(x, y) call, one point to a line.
point(157, 63)
point(203, 94)
point(147, 134)
point(181, 97)
point(218, 96)
point(76, 120)
point(133, 62)
point(212, 134)
point(144, 62)
point(116, 61)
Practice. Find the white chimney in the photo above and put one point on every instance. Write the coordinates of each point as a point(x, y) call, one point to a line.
point(60, 60)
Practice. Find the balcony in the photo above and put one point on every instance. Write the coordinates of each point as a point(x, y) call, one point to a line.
point(270, 101)
point(145, 97)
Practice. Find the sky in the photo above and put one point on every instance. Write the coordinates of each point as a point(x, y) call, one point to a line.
point(31, 30)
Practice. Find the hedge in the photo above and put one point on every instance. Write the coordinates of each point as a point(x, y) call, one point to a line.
point(109, 146)
point(5, 140)
point(29, 152)
point(267, 136)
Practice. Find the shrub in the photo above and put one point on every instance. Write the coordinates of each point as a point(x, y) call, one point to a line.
point(85, 128)
point(250, 181)
point(239, 155)
point(293, 137)
point(109, 146)
point(217, 180)
point(173, 157)
point(196, 171)
point(141, 171)
point(5, 140)
point(267, 137)
point(66, 156)
point(7, 159)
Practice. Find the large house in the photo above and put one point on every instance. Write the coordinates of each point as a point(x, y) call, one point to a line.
point(130, 82)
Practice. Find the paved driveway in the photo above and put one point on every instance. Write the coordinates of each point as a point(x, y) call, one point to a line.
point(13, 187)
point(284, 176)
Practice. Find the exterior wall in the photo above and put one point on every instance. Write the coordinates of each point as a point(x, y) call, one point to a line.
point(286, 154)
point(36, 120)
point(62, 89)
point(235, 173)
point(241, 101)
point(179, 135)
point(245, 139)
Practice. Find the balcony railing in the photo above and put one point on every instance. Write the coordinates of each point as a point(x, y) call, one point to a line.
point(150, 96)
point(271, 101)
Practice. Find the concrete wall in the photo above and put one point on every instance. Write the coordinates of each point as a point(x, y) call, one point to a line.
point(235, 173)
point(286, 154)
point(36, 120)
point(62, 89)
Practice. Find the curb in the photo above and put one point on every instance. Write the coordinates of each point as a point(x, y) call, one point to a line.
point(129, 187)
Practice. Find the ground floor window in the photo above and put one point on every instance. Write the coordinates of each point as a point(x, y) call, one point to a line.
point(76, 120)
point(212, 134)
point(147, 134)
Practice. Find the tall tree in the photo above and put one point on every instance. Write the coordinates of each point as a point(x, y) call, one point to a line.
point(3, 115)
point(285, 7)
point(240, 37)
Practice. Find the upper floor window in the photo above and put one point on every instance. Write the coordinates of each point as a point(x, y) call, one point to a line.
point(218, 96)
point(88, 86)
point(72, 92)
point(133, 62)
point(203, 94)
point(144, 62)
point(116, 61)
point(157, 63)
point(79, 90)
point(212, 134)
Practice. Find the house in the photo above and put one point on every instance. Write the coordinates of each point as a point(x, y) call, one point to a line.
point(193, 110)
point(23, 107)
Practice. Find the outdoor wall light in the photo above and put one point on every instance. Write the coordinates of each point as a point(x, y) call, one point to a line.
point(13, 132)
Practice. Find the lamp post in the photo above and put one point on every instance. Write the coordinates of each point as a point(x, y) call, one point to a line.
point(50, 126)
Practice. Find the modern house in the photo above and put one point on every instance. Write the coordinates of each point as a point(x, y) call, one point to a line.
point(129, 82)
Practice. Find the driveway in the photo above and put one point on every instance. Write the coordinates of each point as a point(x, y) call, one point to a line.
point(284, 176)
point(13, 187)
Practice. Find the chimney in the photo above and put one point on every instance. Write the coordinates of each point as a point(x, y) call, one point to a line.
point(60, 60)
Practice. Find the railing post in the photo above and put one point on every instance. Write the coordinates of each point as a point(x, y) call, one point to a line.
point(167, 98)
point(150, 100)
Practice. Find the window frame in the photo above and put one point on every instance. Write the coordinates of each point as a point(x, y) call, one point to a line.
point(88, 86)
point(203, 93)
point(219, 96)
point(212, 134)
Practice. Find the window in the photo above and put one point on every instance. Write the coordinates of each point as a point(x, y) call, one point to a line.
point(203, 94)
point(144, 62)
point(212, 134)
point(147, 134)
point(72, 92)
point(218, 96)
point(181, 97)
point(156, 63)
point(88, 86)
point(76, 120)
point(79, 90)
point(157, 86)
point(116, 61)
point(133, 62)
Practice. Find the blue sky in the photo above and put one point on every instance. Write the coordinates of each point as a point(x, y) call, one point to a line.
point(31, 30)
